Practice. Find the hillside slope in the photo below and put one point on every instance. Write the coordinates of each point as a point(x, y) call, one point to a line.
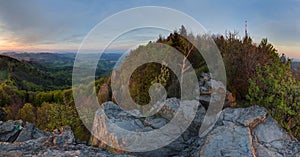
point(27, 77)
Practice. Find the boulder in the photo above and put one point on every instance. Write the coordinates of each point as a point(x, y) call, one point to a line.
point(9, 132)
point(250, 116)
point(65, 138)
point(131, 123)
point(169, 108)
point(29, 132)
point(227, 140)
point(208, 94)
point(247, 132)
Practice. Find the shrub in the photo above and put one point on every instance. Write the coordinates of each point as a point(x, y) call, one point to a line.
point(276, 89)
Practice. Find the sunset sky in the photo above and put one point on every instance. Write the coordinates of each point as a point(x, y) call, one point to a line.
point(61, 25)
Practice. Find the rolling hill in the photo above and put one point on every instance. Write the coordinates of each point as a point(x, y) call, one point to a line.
point(27, 77)
point(48, 71)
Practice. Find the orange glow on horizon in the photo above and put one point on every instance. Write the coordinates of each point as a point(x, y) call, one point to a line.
point(292, 51)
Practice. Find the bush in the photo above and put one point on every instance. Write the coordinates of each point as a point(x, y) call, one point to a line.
point(276, 89)
point(27, 113)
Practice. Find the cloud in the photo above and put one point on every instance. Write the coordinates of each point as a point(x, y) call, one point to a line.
point(34, 22)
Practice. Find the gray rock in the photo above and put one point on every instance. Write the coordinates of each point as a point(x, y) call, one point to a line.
point(206, 76)
point(252, 116)
point(193, 129)
point(269, 131)
point(155, 123)
point(30, 132)
point(65, 138)
point(8, 131)
point(262, 151)
point(205, 100)
point(228, 140)
point(169, 109)
point(239, 132)
point(39, 147)
point(272, 140)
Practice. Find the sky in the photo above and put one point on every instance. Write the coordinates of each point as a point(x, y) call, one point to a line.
point(55, 25)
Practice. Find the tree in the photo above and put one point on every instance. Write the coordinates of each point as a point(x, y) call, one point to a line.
point(27, 113)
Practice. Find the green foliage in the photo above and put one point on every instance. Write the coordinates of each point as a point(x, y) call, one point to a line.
point(27, 113)
point(26, 77)
point(275, 89)
point(3, 75)
point(54, 115)
point(51, 110)
point(163, 77)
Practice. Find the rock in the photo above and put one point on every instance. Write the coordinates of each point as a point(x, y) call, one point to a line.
point(248, 132)
point(3, 115)
point(131, 123)
point(262, 151)
point(8, 131)
point(65, 138)
point(250, 116)
point(155, 123)
point(205, 100)
point(227, 140)
point(30, 132)
point(206, 76)
point(38, 148)
point(169, 109)
point(269, 131)
point(272, 140)
point(207, 93)
point(250, 129)
point(193, 129)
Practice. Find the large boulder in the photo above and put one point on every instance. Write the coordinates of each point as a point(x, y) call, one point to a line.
point(227, 140)
point(247, 132)
point(271, 140)
point(132, 123)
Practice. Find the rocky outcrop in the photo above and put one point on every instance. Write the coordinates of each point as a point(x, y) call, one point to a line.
point(247, 132)
point(30, 141)
point(205, 86)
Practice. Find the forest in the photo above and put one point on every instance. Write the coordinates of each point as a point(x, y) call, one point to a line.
point(39, 90)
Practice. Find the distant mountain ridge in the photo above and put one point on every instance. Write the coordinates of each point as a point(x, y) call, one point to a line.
point(47, 71)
